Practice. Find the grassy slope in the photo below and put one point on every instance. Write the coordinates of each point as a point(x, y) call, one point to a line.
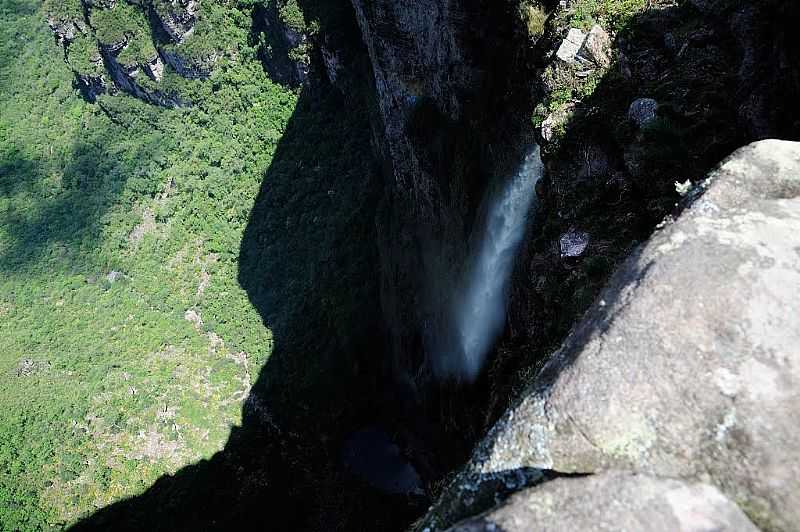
point(104, 386)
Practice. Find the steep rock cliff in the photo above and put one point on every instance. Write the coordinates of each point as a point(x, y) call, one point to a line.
point(646, 100)
point(448, 76)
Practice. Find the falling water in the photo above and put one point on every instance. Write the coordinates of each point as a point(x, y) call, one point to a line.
point(480, 309)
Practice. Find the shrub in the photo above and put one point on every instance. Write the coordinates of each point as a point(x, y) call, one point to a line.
point(613, 15)
point(534, 17)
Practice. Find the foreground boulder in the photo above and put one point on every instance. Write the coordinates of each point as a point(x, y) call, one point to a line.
point(688, 365)
point(614, 501)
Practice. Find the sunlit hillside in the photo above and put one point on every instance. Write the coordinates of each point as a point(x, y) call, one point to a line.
point(126, 343)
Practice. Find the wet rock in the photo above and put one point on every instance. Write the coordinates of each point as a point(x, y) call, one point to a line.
point(438, 95)
point(643, 111)
point(614, 501)
point(688, 365)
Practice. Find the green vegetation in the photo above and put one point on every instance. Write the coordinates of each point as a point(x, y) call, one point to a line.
point(166, 8)
point(123, 22)
point(292, 15)
point(613, 15)
point(568, 89)
point(139, 50)
point(534, 16)
point(64, 10)
point(218, 29)
point(84, 57)
point(126, 341)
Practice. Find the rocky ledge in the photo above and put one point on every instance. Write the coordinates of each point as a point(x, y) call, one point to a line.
point(686, 367)
point(130, 46)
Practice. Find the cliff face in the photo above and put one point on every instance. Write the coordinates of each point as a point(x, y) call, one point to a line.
point(460, 86)
point(684, 368)
point(685, 86)
point(631, 108)
point(445, 75)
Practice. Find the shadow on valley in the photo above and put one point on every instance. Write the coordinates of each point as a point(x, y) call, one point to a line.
point(60, 200)
point(308, 264)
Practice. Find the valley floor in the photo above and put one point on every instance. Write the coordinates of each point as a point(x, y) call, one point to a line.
point(127, 344)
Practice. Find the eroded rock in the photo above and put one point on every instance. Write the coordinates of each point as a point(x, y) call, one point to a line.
point(189, 67)
point(66, 30)
point(177, 17)
point(287, 54)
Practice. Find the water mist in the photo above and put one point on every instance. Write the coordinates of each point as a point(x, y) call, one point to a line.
point(478, 310)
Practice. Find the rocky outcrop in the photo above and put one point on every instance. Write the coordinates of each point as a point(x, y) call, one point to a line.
point(687, 366)
point(91, 86)
point(177, 17)
point(287, 51)
point(138, 41)
point(614, 501)
point(66, 30)
point(84, 58)
point(764, 36)
point(129, 79)
point(616, 139)
point(626, 109)
point(104, 4)
point(587, 50)
point(188, 67)
point(154, 68)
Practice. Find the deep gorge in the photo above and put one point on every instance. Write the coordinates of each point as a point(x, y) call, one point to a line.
point(452, 192)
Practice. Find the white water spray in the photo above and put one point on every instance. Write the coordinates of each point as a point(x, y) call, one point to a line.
point(480, 310)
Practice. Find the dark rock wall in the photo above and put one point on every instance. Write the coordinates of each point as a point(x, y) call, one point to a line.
point(445, 73)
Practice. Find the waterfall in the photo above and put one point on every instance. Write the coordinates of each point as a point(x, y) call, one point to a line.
point(479, 309)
